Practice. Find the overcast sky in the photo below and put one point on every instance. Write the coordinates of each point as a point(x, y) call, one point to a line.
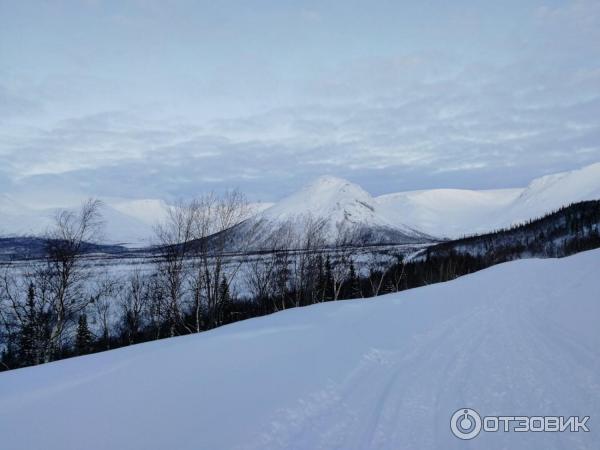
point(170, 98)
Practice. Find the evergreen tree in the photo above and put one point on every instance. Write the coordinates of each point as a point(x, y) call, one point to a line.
point(328, 292)
point(354, 282)
point(224, 291)
point(83, 342)
point(28, 333)
point(9, 358)
point(224, 305)
point(321, 285)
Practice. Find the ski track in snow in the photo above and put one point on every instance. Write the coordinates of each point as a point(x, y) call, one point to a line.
point(401, 385)
point(520, 338)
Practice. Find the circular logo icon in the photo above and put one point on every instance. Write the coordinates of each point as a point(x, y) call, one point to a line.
point(465, 423)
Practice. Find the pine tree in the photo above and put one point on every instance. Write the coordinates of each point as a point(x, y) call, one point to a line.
point(354, 282)
point(224, 301)
point(83, 343)
point(224, 291)
point(28, 333)
point(321, 285)
point(328, 292)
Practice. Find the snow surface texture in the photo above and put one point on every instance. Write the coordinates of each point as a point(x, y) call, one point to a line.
point(521, 338)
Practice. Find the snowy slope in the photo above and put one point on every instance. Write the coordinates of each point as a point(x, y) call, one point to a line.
point(456, 212)
point(448, 212)
point(553, 191)
point(119, 227)
point(126, 221)
point(520, 338)
point(148, 211)
point(342, 205)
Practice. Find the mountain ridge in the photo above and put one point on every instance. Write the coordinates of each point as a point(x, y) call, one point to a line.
point(395, 217)
point(341, 206)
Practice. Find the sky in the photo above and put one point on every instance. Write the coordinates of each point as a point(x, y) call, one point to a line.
point(168, 99)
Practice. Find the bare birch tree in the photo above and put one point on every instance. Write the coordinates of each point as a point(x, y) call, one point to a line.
point(174, 237)
point(65, 272)
point(134, 301)
point(310, 240)
point(346, 238)
point(378, 265)
point(214, 245)
point(267, 275)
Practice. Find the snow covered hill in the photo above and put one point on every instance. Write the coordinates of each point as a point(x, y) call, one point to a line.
point(403, 217)
point(448, 212)
point(122, 224)
point(553, 191)
point(456, 212)
point(414, 215)
point(127, 221)
point(520, 338)
point(342, 206)
point(147, 211)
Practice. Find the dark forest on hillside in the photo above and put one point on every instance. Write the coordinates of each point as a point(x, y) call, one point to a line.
point(151, 306)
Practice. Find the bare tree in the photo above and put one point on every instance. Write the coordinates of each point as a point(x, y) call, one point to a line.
point(156, 305)
point(259, 278)
point(43, 300)
point(193, 251)
point(175, 237)
point(377, 264)
point(267, 275)
point(102, 294)
point(346, 239)
point(397, 273)
point(213, 239)
point(310, 241)
point(65, 272)
point(134, 301)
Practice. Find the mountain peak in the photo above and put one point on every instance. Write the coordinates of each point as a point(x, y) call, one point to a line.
point(339, 203)
point(330, 182)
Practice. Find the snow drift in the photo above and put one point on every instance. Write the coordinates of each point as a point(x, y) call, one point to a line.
point(520, 338)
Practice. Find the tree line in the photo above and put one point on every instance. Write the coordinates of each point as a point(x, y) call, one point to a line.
point(62, 306)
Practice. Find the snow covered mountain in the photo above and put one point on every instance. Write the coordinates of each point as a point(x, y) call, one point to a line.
point(519, 338)
point(147, 211)
point(456, 212)
point(403, 217)
point(123, 224)
point(551, 192)
point(448, 212)
point(341, 205)
point(413, 215)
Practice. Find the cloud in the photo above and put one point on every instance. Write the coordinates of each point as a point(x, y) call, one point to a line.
point(413, 114)
point(442, 137)
point(14, 105)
